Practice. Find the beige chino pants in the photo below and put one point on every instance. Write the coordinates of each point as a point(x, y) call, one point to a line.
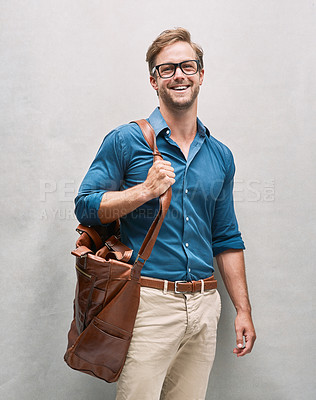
point(173, 346)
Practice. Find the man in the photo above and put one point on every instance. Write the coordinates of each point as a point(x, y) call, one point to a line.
point(173, 345)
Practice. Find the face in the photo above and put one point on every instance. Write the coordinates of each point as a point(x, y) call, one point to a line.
point(180, 91)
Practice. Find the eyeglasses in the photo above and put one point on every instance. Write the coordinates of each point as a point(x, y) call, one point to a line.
point(167, 70)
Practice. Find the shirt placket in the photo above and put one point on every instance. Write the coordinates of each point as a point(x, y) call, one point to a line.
point(188, 232)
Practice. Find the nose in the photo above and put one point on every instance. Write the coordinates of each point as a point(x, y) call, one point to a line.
point(178, 73)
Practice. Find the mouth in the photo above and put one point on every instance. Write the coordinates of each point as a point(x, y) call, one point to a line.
point(180, 88)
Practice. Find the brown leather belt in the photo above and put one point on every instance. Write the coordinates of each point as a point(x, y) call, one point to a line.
point(180, 286)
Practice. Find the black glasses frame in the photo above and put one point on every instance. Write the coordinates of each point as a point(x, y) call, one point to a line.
point(176, 65)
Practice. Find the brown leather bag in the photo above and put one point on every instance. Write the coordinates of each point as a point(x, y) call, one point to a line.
point(107, 292)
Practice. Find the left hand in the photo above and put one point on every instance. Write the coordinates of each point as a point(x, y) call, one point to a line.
point(244, 329)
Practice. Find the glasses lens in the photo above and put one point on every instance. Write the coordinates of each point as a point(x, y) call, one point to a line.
point(189, 67)
point(166, 70)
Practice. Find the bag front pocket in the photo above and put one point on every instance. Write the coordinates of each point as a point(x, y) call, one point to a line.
point(103, 345)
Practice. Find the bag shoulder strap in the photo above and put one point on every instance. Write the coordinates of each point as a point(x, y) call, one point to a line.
point(164, 202)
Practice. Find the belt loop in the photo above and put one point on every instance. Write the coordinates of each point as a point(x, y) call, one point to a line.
point(202, 286)
point(165, 287)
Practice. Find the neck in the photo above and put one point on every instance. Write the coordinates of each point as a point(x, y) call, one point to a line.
point(183, 123)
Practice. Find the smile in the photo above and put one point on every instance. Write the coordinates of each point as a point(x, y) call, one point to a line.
point(180, 88)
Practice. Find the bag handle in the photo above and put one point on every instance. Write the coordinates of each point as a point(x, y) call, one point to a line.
point(164, 201)
point(92, 233)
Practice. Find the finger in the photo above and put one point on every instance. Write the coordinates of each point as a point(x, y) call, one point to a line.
point(168, 181)
point(160, 173)
point(237, 351)
point(243, 352)
point(165, 184)
point(164, 171)
point(163, 178)
point(162, 162)
point(249, 342)
point(163, 167)
point(170, 174)
point(172, 181)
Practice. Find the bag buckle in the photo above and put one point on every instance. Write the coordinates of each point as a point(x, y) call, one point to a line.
point(176, 287)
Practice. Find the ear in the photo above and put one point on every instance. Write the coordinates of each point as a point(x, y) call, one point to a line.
point(201, 76)
point(153, 82)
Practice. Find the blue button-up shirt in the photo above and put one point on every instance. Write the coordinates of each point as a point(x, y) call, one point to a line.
point(200, 222)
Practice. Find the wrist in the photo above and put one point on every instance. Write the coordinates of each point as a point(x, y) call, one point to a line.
point(243, 309)
point(145, 193)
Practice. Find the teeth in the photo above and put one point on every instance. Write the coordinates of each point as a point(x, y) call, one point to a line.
point(180, 88)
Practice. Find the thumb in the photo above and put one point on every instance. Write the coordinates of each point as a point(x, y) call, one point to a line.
point(239, 339)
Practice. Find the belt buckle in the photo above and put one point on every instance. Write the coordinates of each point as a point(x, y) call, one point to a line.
point(176, 287)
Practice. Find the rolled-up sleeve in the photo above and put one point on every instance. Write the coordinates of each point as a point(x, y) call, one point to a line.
point(225, 233)
point(106, 173)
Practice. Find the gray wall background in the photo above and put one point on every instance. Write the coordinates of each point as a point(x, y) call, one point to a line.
point(70, 71)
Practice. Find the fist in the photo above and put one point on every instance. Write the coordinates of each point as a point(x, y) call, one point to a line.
point(160, 177)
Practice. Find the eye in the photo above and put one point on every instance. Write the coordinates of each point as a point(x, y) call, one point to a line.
point(189, 66)
point(166, 68)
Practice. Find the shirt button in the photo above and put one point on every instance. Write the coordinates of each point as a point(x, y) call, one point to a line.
point(187, 245)
point(186, 190)
point(189, 269)
point(167, 131)
point(187, 219)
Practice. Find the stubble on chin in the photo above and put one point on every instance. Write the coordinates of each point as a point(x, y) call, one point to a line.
point(178, 104)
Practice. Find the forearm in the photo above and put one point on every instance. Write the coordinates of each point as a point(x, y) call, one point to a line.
point(115, 204)
point(232, 268)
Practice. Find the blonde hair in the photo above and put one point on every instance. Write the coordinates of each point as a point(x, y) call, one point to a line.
point(168, 37)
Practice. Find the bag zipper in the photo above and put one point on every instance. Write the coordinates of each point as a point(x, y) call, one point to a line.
point(84, 273)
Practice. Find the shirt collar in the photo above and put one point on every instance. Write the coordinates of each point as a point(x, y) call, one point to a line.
point(157, 121)
point(159, 124)
point(202, 129)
